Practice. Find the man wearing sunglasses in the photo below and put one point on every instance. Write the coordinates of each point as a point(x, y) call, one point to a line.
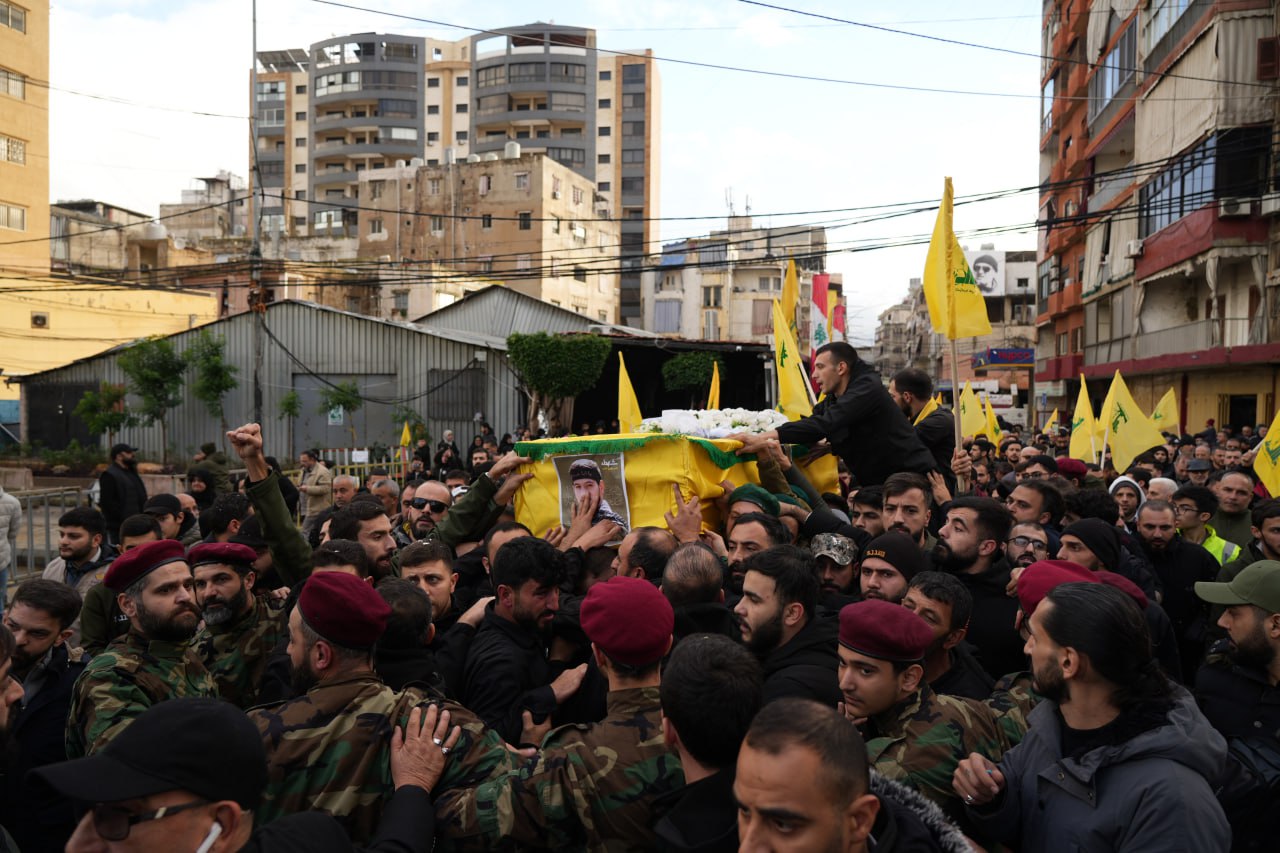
point(427, 509)
point(154, 661)
point(200, 791)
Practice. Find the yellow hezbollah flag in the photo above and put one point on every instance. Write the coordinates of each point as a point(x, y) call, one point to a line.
point(1052, 423)
point(406, 438)
point(1084, 428)
point(793, 393)
point(629, 416)
point(1128, 431)
point(929, 408)
point(956, 306)
point(1267, 463)
point(713, 399)
point(1165, 414)
point(992, 426)
point(791, 298)
point(972, 418)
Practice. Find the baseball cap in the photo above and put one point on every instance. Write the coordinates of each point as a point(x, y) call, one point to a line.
point(122, 448)
point(1257, 584)
point(210, 748)
point(165, 504)
point(842, 549)
point(1199, 465)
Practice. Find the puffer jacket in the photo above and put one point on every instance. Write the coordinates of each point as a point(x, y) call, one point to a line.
point(1154, 791)
point(910, 823)
point(10, 524)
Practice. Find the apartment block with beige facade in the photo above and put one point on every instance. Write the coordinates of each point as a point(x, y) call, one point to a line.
point(24, 137)
point(523, 219)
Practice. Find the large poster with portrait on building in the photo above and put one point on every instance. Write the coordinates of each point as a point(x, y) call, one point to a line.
point(988, 268)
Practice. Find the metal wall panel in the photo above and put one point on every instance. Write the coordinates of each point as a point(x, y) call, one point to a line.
point(499, 312)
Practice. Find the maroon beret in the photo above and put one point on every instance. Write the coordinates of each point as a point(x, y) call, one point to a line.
point(238, 557)
point(1125, 585)
point(629, 620)
point(343, 609)
point(1040, 577)
point(1069, 467)
point(883, 630)
point(142, 561)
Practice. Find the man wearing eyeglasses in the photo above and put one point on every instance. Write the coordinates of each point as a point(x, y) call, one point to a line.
point(201, 790)
point(1027, 544)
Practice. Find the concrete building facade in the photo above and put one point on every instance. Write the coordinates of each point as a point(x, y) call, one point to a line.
point(218, 209)
point(522, 219)
point(24, 136)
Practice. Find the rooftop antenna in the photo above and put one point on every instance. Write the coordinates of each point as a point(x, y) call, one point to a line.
point(748, 206)
point(728, 199)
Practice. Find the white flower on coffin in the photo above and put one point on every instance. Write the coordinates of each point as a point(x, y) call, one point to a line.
point(713, 423)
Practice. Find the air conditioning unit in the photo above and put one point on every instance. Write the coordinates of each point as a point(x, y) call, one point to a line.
point(1269, 205)
point(1133, 249)
point(1229, 208)
point(556, 193)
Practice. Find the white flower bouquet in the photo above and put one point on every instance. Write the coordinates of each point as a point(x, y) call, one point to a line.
point(713, 423)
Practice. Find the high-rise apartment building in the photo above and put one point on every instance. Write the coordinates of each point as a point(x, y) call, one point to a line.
point(366, 102)
point(24, 136)
point(1159, 202)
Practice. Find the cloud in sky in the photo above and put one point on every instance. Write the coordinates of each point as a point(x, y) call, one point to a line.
point(788, 144)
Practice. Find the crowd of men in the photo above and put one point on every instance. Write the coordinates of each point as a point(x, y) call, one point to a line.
point(974, 647)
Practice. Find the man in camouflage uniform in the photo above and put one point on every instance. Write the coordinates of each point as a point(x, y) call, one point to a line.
point(330, 748)
point(153, 661)
point(591, 786)
point(913, 735)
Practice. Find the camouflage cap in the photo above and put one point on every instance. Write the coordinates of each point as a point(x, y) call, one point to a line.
point(841, 549)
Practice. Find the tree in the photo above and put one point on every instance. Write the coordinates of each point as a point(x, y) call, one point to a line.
point(103, 411)
point(404, 413)
point(344, 395)
point(691, 371)
point(553, 368)
point(214, 377)
point(154, 370)
point(290, 407)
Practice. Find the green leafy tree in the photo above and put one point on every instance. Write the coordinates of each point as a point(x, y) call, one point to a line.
point(214, 376)
point(403, 413)
point(155, 370)
point(554, 368)
point(691, 372)
point(289, 408)
point(104, 411)
point(346, 395)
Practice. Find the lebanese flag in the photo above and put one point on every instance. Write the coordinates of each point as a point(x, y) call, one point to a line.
point(818, 329)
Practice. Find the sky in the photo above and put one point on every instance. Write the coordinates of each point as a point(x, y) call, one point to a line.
point(148, 95)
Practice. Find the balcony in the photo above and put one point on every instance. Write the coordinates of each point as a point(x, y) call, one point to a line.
point(1179, 30)
point(1204, 343)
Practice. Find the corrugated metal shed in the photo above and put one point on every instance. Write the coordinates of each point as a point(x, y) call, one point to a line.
point(499, 311)
point(448, 377)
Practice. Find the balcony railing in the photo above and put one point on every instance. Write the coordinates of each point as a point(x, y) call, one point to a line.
point(1189, 337)
point(1180, 28)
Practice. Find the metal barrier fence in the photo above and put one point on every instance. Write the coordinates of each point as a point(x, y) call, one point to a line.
point(38, 539)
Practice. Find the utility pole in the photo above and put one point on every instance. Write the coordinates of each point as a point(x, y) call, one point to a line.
point(256, 302)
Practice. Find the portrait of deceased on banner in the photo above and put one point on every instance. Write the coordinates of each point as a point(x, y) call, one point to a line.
point(599, 475)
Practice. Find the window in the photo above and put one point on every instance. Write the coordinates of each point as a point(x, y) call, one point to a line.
point(526, 220)
point(632, 156)
point(555, 225)
point(271, 90)
point(524, 262)
point(555, 187)
point(484, 184)
point(13, 217)
point(486, 263)
point(604, 104)
point(632, 185)
point(568, 156)
point(433, 186)
point(300, 142)
point(1231, 163)
point(606, 75)
point(1046, 106)
point(300, 116)
point(1114, 71)
point(397, 108)
point(300, 89)
point(460, 108)
point(604, 186)
point(461, 82)
point(486, 221)
point(399, 50)
point(375, 226)
point(633, 101)
point(300, 195)
point(569, 102)
point(12, 150)
point(433, 137)
point(633, 129)
point(400, 301)
point(266, 118)
point(712, 294)
point(376, 188)
point(460, 136)
point(300, 169)
point(568, 72)
point(527, 72)
point(579, 274)
point(604, 131)
point(495, 76)
point(603, 159)
point(666, 316)
point(522, 180)
point(400, 133)
point(1159, 19)
point(632, 74)
point(13, 17)
point(761, 316)
point(437, 225)
point(433, 109)
point(433, 82)
point(299, 222)
point(766, 282)
point(577, 195)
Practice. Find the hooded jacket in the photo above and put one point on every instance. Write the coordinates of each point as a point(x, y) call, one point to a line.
point(1124, 480)
point(1152, 792)
point(909, 823)
point(805, 666)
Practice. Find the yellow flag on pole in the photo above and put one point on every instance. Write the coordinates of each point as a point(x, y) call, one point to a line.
point(1267, 463)
point(793, 385)
point(992, 426)
point(929, 408)
point(956, 306)
point(791, 298)
point(1128, 431)
point(629, 416)
point(406, 437)
point(1052, 423)
point(713, 398)
point(972, 417)
point(1165, 414)
point(1084, 428)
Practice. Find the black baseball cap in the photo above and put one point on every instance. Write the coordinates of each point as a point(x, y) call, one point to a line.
point(117, 449)
point(164, 504)
point(206, 746)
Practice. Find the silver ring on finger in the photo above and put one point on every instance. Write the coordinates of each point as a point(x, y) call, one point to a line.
point(444, 750)
point(437, 741)
point(969, 799)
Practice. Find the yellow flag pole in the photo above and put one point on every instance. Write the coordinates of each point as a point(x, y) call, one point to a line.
point(962, 483)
